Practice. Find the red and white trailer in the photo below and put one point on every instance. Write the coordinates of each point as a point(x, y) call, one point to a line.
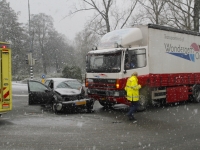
point(167, 61)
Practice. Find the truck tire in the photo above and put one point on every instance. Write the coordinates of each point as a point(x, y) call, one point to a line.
point(144, 98)
point(196, 93)
point(142, 103)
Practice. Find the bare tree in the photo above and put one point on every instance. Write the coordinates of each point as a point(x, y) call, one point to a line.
point(182, 13)
point(42, 25)
point(107, 16)
point(155, 10)
point(185, 13)
point(13, 32)
point(84, 42)
point(59, 53)
point(196, 15)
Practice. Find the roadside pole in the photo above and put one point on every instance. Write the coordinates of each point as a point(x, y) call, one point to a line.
point(31, 63)
point(30, 59)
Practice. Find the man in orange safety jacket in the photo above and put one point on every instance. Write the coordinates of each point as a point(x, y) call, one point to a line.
point(132, 90)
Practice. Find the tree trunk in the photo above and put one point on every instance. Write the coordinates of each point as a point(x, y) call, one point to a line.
point(196, 15)
point(44, 61)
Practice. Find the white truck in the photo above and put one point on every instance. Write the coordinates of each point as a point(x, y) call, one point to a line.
point(167, 61)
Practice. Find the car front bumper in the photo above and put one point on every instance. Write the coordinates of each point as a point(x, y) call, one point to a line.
point(78, 102)
point(83, 103)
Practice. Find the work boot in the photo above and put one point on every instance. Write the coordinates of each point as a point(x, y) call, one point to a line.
point(134, 120)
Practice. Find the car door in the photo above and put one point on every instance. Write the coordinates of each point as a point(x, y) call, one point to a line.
point(51, 85)
point(39, 93)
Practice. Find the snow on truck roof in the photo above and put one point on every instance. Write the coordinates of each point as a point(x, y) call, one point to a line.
point(104, 51)
point(123, 37)
point(129, 37)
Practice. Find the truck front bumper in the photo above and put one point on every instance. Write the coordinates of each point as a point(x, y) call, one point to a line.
point(112, 99)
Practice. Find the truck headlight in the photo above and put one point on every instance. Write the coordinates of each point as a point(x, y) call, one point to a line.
point(90, 80)
point(88, 90)
point(116, 94)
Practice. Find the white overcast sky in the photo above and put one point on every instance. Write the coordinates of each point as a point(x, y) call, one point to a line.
point(55, 8)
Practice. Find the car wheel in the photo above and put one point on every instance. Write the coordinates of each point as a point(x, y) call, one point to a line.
point(57, 107)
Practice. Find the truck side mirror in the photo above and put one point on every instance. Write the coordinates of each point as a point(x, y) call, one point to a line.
point(126, 52)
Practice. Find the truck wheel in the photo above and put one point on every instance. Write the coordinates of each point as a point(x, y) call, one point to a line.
point(196, 93)
point(142, 103)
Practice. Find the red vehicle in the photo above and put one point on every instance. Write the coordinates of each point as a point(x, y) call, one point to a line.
point(166, 59)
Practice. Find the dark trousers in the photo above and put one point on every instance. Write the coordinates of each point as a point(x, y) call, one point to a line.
point(132, 109)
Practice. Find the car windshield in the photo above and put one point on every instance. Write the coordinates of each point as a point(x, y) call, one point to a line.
point(106, 63)
point(71, 84)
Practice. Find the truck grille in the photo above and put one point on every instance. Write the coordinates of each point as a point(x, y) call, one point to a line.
point(101, 92)
point(102, 84)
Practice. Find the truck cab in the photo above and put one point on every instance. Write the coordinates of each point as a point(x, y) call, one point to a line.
point(109, 67)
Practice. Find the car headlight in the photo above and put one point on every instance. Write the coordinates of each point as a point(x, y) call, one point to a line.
point(55, 97)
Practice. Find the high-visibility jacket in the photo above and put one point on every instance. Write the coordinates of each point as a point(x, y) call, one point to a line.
point(132, 89)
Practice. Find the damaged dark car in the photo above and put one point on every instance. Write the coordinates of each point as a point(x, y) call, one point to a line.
point(60, 94)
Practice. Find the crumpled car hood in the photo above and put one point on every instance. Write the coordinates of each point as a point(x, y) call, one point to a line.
point(64, 91)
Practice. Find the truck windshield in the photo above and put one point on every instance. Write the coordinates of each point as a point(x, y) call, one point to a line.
point(105, 63)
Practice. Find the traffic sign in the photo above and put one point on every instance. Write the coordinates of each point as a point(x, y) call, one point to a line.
point(43, 76)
